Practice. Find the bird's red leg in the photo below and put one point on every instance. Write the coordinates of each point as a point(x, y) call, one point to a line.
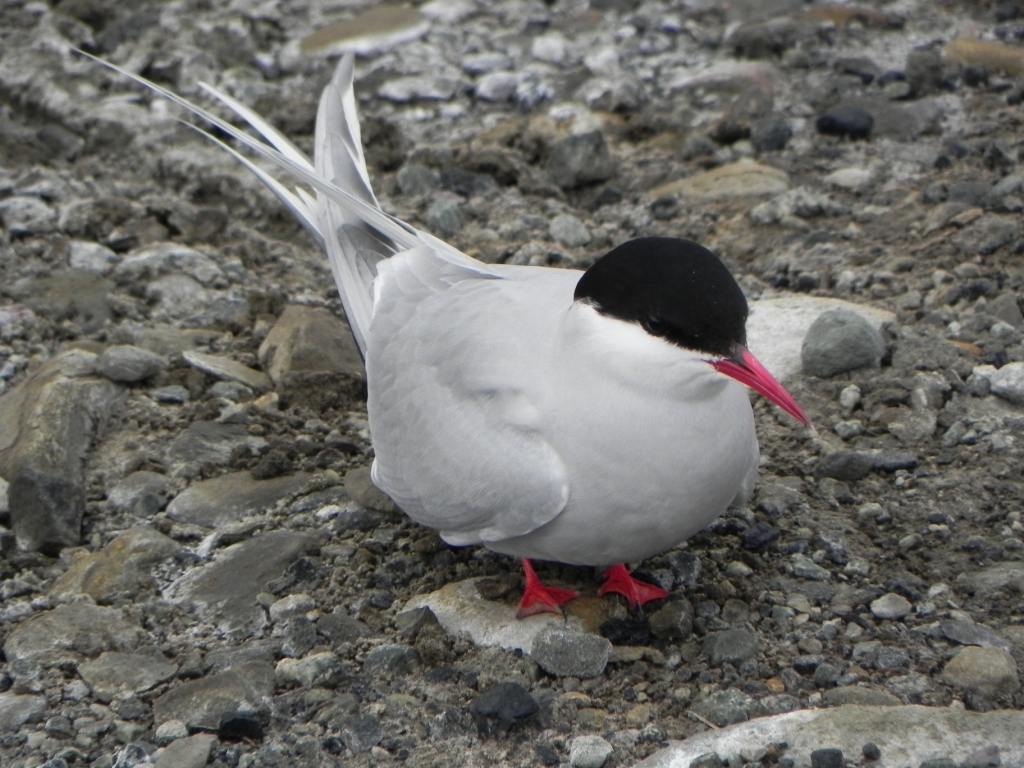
point(540, 599)
point(618, 580)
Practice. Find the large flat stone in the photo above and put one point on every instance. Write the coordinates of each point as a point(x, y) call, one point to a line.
point(71, 631)
point(121, 570)
point(906, 735)
point(16, 710)
point(47, 424)
point(741, 179)
point(202, 703)
point(116, 673)
point(210, 442)
point(224, 591)
point(309, 343)
point(223, 500)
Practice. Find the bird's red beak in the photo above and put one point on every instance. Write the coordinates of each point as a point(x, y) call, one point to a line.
point(746, 369)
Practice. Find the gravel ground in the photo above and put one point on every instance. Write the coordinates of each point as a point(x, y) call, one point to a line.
point(195, 566)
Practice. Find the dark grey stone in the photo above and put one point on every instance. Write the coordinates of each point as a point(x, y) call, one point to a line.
point(845, 465)
point(673, 621)
point(986, 757)
point(686, 567)
point(754, 103)
point(498, 708)
point(395, 659)
point(871, 751)
point(887, 657)
point(938, 762)
point(202, 704)
point(339, 627)
point(579, 160)
point(771, 133)
point(846, 120)
point(828, 757)
point(731, 645)
point(361, 733)
point(840, 341)
point(923, 70)
point(128, 364)
point(209, 442)
point(707, 760)
point(826, 675)
point(967, 633)
point(725, 707)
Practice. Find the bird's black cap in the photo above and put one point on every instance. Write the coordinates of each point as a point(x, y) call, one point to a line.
point(674, 289)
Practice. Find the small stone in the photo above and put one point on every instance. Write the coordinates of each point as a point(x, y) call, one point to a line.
point(224, 368)
point(497, 86)
point(938, 762)
point(890, 658)
point(320, 669)
point(415, 179)
point(840, 341)
point(588, 752)
point(115, 674)
point(770, 134)
point(311, 345)
point(1008, 382)
point(395, 659)
point(91, 257)
point(169, 731)
point(731, 645)
point(579, 160)
point(70, 631)
point(191, 752)
point(986, 757)
point(738, 569)
point(497, 709)
point(805, 568)
point(361, 733)
point(891, 606)
point(172, 393)
point(760, 534)
point(673, 621)
point(827, 758)
point(707, 760)
point(565, 653)
point(846, 120)
point(24, 215)
point(569, 231)
point(851, 179)
point(205, 703)
point(871, 751)
point(129, 364)
point(444, 216)
point(291, 607)
point(724, 707)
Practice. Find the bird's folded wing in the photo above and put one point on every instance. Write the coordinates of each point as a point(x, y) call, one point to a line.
point(458, 433)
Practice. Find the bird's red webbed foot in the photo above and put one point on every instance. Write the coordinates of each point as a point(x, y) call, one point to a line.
point(540, 599)
point(618, 580)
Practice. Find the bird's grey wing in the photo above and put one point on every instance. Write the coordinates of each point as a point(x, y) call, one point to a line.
point(746, 489)
point(453, 401)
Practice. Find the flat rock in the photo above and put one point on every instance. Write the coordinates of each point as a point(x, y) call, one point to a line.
point(1001, 576)
point(140, 493)
point(114, 673)
point(906, 735)
point(968, 633)
point(71, 631)
point(127, 363)
point(731, 645)
point(210, 442)
point(990, 670)
point(569, 653)
point(309, 343)
point(47, 424)
point(223, 500)
point(459, 608)
point(741, 179)
point(121, 570)
point(189, 752)
point(839, 341)
point(777, 327)
point(228, 370)
point(724, 707)
point(891, 606)
point(201, 704)
point(370, 32)
point(579, 160)
point(855, 694)
point(16, 710)
point(224, 591)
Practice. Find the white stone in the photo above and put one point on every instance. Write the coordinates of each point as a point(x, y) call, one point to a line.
point(497, 86)
point(569, 231)
point(169, 731)
point(891, 606)
point(589, 752)
point(1006, 382)
point(291, 606)
point(549, 47)
point(92, 257)
point(850, 179)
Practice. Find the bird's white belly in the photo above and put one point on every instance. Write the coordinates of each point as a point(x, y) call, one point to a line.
point(643, 479)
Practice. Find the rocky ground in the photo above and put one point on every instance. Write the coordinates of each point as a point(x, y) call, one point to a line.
point(195, 566)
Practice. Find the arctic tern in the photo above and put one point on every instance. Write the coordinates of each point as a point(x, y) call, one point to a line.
point(591, 418)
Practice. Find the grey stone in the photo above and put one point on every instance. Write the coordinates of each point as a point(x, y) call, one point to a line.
point(310, 345)
point(989, 670)
point(1001, 576)
point(361, 733)
point(114, 673)
point(92, 257)
point(121, 570)
point(224, 591)
point(220, 501)
point(69, 632)
point(162, 259)
point(47, 424)
point(190, 752)
point(967, 633)
point(673, 621)
point(128, 364)
point(939, 762)
point(497, 86)
point(855, 694)
point(565, 653)
point(142, 494)
point(840, 341)
point(731, 645)
point(909, 685)
point(891, 606)
point(415, 179)
point(339, 627)
point(986, 757)
point(23, 216)
point(16, 710)
point(419, 87)
point(201, 704)
point(579, 160)
point(224, 368)
point(770, 134)
point(827, 757)
point(845, 465)
point(361, 489)
point(805, 568)
point(569, 231)
point(1008, 382)
point(172, 393)
point(395, 659)
point(323, 669)
point(724, 707)
point(290, 607)
point(443, 215)
point(588, 752)
point(887, 657)
point(923, 70)
point(750, 105)
point(175, 297)
point(299, 637)
point(210, 442)
point(500, 707)
point(170, 731)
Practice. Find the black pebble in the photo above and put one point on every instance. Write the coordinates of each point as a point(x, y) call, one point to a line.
point(631, 631)
point(871, 751)
point(499, 708)
point(333, 745)
point(827, 758)
point(546, 755)
point(759, 535)
point(846, 120)
point(665, 208)
point(235, 726)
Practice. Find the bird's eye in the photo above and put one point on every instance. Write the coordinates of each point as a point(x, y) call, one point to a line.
point(654, 324)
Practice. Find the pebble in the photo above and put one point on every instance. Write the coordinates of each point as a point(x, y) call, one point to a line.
point(578, 160)
point(202, 704)
point(569, 231)
point(564, 653)
point(223, 368)
point(191, 752)
point(990, 670)
point(891, 606)
point(361, 733)
point(827, 758)
point(846, 120)
point(498, 708)
point(129, 364)
point(673, 621)
point(588, 752)
point(840, 341)
point(732, 645)
point(805, 568)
